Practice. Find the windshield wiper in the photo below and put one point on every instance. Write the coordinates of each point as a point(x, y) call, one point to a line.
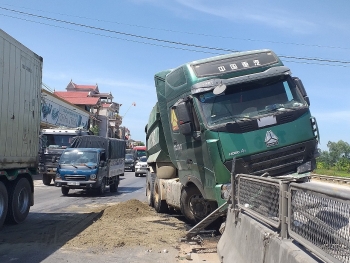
point(87, 165)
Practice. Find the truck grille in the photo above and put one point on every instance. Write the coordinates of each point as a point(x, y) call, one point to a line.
point(48, 158)
point(275, 162)
point(75, 177)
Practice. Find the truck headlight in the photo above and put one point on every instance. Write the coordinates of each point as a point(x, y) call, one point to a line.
point(58, 176)
point(226, 191)
point(93, 176)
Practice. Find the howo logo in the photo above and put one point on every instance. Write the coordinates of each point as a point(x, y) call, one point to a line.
point(271, 139)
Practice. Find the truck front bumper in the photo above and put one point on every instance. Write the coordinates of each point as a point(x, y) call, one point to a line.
point(77, 184)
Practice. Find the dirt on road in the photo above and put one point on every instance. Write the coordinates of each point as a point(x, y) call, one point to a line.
point(134, 226)
point(128, 224)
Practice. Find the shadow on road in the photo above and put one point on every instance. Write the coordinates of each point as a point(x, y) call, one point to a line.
point(41, 235)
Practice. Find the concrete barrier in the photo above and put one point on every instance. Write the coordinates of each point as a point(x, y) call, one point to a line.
point(250, 241)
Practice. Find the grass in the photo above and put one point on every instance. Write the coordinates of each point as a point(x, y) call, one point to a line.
point(332, 172)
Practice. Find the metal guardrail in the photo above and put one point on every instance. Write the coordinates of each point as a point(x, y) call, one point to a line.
point(260, 198)
point(316, 216)
point(330, 178)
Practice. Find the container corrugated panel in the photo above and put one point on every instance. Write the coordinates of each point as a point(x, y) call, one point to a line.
point(20, 100)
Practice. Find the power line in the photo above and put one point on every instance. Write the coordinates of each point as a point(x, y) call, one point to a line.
point(342, 63)
point(193, 33)
point(107, 36)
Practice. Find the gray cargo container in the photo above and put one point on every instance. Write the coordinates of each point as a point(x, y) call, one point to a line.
point(20, 100)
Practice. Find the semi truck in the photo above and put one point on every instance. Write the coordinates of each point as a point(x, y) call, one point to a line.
point(20, 87)
point(91, 163)
point(244, 108)
point(53, 143)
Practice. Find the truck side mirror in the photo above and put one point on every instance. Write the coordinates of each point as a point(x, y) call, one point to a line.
point(184, 117)
point(302, 90)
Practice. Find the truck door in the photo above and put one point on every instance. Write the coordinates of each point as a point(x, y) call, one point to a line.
point(186, 147)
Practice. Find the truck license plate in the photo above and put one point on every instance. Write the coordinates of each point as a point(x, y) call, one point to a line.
point(73, 183)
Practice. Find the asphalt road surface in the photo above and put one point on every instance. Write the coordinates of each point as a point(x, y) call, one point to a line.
point(54, 219)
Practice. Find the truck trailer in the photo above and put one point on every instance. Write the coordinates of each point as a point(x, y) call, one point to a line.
point(20, 89)
point(244, 108)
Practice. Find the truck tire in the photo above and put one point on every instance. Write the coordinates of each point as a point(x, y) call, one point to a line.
point(193, 206)
point(149, 191)
point(46, 179)
point(114, 186)
point(3, 203)
point(19, 201)
point(159, 205)
point(101, 190)
point(65, 190)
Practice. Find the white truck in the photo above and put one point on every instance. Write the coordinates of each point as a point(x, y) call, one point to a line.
point(20, 88)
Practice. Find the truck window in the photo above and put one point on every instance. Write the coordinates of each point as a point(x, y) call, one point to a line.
point(102, 156)
point(251, 100)
point(55, 140)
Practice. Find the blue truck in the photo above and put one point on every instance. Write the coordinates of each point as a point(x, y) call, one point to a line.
point(91, 163)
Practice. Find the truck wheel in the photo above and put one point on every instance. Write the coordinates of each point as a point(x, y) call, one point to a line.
point(65, 190)
point(193, 206)
point(19, 201)
point(149, 193)
point(3, 203)
point(46, 179)
point(159, 205)
point(102, 188)
point(114, 187)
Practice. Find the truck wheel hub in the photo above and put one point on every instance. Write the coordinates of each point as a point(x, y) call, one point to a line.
point(199, 207)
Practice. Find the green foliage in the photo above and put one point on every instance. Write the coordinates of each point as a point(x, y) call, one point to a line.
point(95, 130)
point(336, 159)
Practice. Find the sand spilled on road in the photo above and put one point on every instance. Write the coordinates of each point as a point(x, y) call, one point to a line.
point(128, 224)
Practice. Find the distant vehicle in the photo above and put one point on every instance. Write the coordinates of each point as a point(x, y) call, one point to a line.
point(92, 163)
point(141, 167)
point(140, 151)
point(20, 87)
point(129, 162)
point(53, 143)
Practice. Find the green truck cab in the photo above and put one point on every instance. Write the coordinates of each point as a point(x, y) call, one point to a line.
point(243, 106)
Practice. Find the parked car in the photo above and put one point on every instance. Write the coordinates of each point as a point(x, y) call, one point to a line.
point(129, 162)
point(141, 167)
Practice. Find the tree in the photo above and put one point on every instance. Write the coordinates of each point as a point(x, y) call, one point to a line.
point(337, 157)
point(338, 150)
point(95, 130)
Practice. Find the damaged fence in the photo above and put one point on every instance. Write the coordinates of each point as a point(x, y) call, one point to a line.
point(314, 215)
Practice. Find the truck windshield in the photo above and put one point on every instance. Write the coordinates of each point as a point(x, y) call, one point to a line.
point(57, 141)
point(140, 153)
point(75, 157)
point(251, 100)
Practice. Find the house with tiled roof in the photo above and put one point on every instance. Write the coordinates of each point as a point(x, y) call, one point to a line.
point(104, 113)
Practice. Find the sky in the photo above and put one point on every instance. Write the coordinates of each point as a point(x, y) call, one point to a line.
point(120, 45)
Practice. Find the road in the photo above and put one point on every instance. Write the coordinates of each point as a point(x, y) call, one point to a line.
point(56, 219)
